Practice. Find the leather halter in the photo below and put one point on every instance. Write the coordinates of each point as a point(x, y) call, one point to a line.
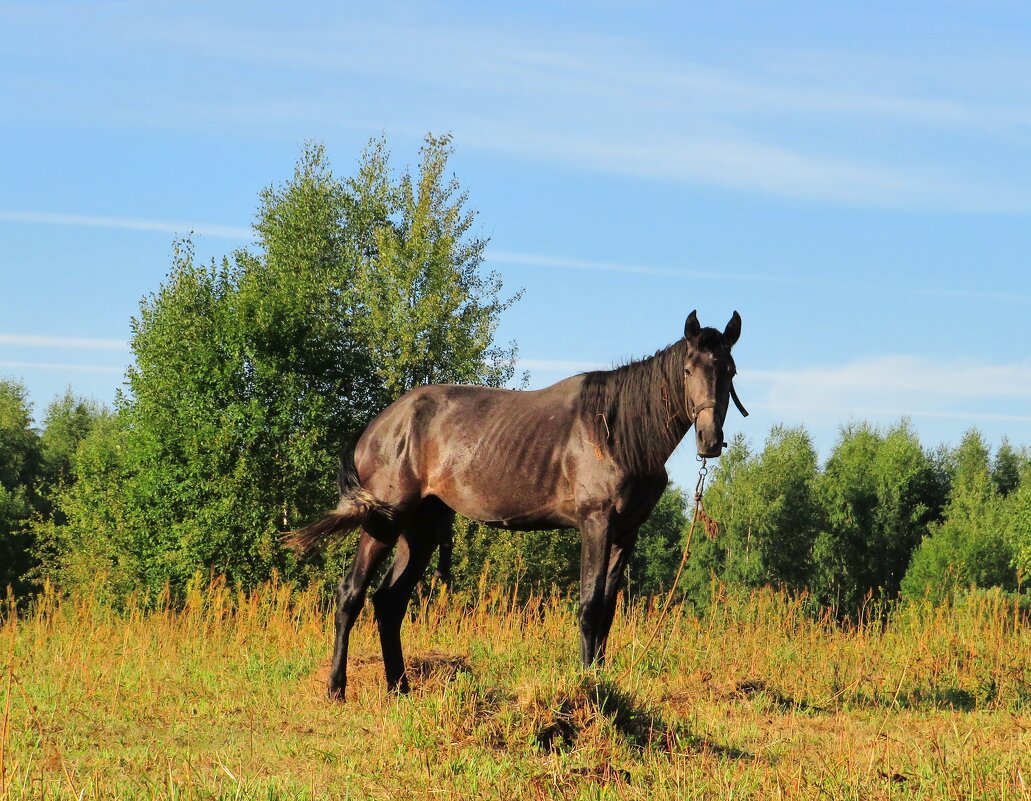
point(693, 409)
point(701, 407)
point(737, 401)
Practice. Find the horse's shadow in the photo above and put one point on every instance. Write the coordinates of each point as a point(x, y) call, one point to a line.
point(556, 719)
point(644, 728)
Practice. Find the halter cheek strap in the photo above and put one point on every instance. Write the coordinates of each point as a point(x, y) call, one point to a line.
point(737, 401)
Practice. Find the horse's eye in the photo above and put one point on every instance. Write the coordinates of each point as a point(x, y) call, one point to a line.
point(687, 371)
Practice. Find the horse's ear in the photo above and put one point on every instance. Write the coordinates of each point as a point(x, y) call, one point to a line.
point(692, 327)
point(733, 329)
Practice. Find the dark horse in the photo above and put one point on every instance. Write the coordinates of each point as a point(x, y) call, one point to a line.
point(588, 452)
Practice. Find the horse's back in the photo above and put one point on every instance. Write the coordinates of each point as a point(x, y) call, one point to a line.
point(491, 454)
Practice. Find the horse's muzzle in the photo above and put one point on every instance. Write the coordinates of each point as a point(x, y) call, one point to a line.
point(709, 435)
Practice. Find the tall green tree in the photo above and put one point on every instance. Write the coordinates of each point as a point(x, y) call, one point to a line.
point(970, 546)
point(879, 491)
point(250, 371)
point(1007, 467)
point(769, 512)
point(67, 422)
point(430, 313)
point(105, 544)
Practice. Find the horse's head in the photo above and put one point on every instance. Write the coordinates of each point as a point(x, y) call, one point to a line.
point(708, 380)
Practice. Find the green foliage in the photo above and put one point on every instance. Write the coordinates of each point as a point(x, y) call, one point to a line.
point(883, 517)
point(99, 547)
point(249, 373)
point(1017, 523)
point(430, 316)
point(969, 547)
point(879, 492)
point(1008, 466)
point(537, 561)
point(769, 513)
point(21, 462)
point(522, 561)
point(20, 456)
point(67, 423)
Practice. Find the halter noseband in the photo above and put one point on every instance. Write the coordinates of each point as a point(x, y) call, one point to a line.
point(701, 407)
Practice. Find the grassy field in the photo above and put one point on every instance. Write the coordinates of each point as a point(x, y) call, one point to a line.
point(757, 699)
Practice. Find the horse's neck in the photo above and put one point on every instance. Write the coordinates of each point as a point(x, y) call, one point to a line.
point(661, 421)
point(674, 414)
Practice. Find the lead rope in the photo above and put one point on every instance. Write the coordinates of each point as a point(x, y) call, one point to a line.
point(711, 529)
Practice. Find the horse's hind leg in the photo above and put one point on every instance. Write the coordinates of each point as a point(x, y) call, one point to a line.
point(415, 548)
point(350, 597)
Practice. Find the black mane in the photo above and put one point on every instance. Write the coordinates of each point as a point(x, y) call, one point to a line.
point(638, 411)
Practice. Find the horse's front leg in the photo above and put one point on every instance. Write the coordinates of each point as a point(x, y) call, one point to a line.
point(350, 597)
point(595, 547)
point(619, 556)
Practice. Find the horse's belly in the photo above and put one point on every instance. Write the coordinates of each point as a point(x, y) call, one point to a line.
point(516, 503)
point(521, 521)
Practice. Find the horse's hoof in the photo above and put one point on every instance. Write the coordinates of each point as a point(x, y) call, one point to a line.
point(335, 694)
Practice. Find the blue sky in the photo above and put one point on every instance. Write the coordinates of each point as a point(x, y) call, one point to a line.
point(855, 180)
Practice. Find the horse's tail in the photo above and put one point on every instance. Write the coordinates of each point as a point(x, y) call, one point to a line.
point(356, 505)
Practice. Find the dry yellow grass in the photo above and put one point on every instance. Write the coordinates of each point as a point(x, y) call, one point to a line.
point(757, 699)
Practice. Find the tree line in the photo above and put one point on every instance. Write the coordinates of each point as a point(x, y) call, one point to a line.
point(882, 517)
point(250, 371)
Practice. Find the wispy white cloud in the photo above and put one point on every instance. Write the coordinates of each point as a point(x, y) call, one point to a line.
point(62, 368)
point(127, 224)
point(517, 258)
point(569, 263)
point(838, 413)
point(85, 343)
point(894, 386)
point(882, 387)
point(777, 124)
point(737, 159)
point(896, 375)
point(539, 260)
point(470, 58)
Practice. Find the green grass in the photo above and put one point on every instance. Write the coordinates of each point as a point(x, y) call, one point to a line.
point(757, 699)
